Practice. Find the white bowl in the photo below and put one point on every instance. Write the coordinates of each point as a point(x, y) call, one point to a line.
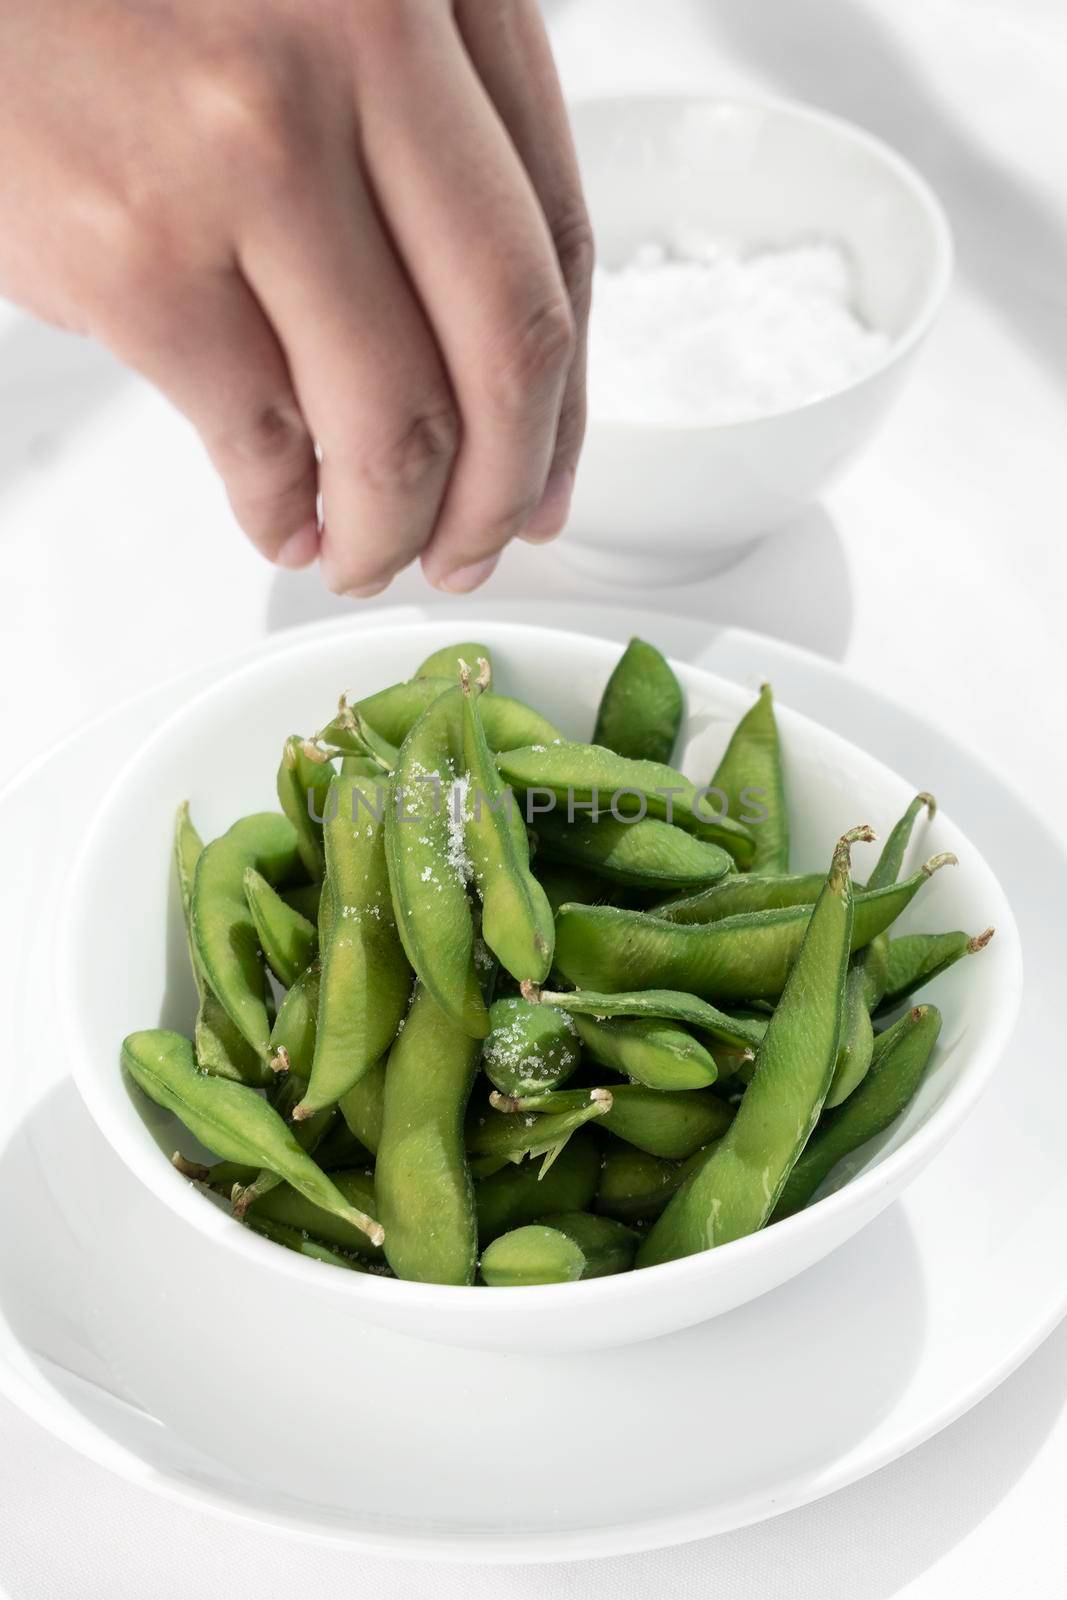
point(123, 966)
point(663, 504)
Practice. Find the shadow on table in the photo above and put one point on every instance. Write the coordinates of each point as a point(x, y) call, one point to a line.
point(50, 382)
point(793, 585)
point(839, 54)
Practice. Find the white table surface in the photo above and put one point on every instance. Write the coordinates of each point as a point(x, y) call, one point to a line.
point(937, 572)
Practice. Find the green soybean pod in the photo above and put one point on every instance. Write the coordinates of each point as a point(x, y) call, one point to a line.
point(517, 921)
point(750, 775)
point(901, 1057)
point(448, 662)
point(308, 1134)
point(508, 723)
point(868, 970)
point(742, 893)
point(634, 1186)
point(288, 940)
point(221, 1047)
point(743, 958)
point(223, 930)
point(496, 1136)
point(646, 853)
point(428, 868)
point(574, 774)
point(561, 1249)
point(916, 959)
point(350, 734)
point(735, 1190)
point(640, 711)
point(303, 780)
point(363, 1105)
point(231, 1119)
point(520, 1192)
point(662, 1122)
point(648, 1050)
point(304, 897)
point(423, 1186)
point(744, 1033)
point(529, 1047)
point(286, 1205)
point(303, 1244)
point(365, 982)
point(564, 884)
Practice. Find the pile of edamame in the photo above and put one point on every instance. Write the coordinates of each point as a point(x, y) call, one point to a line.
point(482, 1002)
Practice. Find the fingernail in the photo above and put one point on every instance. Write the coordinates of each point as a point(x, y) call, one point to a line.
point(301, 547)
point(368, 590)
point(550, 518)
point(464, 579)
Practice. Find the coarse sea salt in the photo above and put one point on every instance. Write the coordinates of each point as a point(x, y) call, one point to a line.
point(708, 333)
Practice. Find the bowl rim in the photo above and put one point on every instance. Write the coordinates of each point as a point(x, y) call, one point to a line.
point(901, 344)
point(145, 1159)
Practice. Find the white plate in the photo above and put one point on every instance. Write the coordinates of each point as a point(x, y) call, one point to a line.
point(471, 1456)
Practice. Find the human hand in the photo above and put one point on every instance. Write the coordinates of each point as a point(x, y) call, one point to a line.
point(350, 224)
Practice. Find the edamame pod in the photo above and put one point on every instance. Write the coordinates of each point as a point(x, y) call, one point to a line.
point(495, 1137)
point(641, 708)
point(916, 959)
point(428, 866)
point(521, 1192)
point(223, 930)
point(743, 958)
point(221, 1047)
point(365, 979)
point(734, 1191)
point(529, 1048)
point(517, 921)
point(750, 777)
point(565, 884)
point(901, 1057)
point(664, 1123)
point(508, 723)
point(742, 893)
point(647, 853)
point(648, 1050)
point(422, 1183)
point(575, 774)
point(448, 662)
point(634, 1186)
point(288, 940)
point(561, 1249)
point(231, 1119)
point(302, 1243)
point(672, 1004)
point(303, 780)
point(305, 899)
point(362, 1106)
point(285, 1205)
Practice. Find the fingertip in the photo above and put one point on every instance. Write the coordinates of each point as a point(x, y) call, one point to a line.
point(300, 548)
point(461, 580)
point(550, 518)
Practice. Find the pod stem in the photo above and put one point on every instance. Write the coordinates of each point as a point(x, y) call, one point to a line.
point(301, 1112)
point(279, 1061)
point(193, 1170)
point(530, 991)
point(504, 1102)
point(935, 863)
point(980, 941)
point(929, 802)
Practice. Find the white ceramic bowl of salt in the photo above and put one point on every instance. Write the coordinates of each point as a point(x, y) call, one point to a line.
point(766, 274)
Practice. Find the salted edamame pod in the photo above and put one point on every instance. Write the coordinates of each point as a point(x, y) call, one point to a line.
point(221, 1047)
point(662, 1122)
point(286, 1205)
point(559, 1249)
point(734, 1191)
point(529, 1047)
point(514, 1129)
point(671, 1004)
point(517, 921)
point(742, 893)
point(644, 852)
point(302, 782)
point(428, 865)
point(900, 1059)
point(640, 710)
point(423, 1186)
point(362, 1106)
point(508, 723)
point(448, 662)
point(365, 978)
point(634, 1186)
point(288, 940)
point(916, 959)
point(578, 774)
point(750, 777)
point(648, 1050)
point(232, 1120)
point(223, 930)
point(520, 1192)
point(742, 958)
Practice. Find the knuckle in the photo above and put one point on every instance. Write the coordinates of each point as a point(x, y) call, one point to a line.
point(273, 435)
point(414, 452)
point(533, 359)
point(575, 250)
point(251, 118)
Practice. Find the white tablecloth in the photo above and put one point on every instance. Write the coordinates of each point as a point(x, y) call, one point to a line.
point(937, 571)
